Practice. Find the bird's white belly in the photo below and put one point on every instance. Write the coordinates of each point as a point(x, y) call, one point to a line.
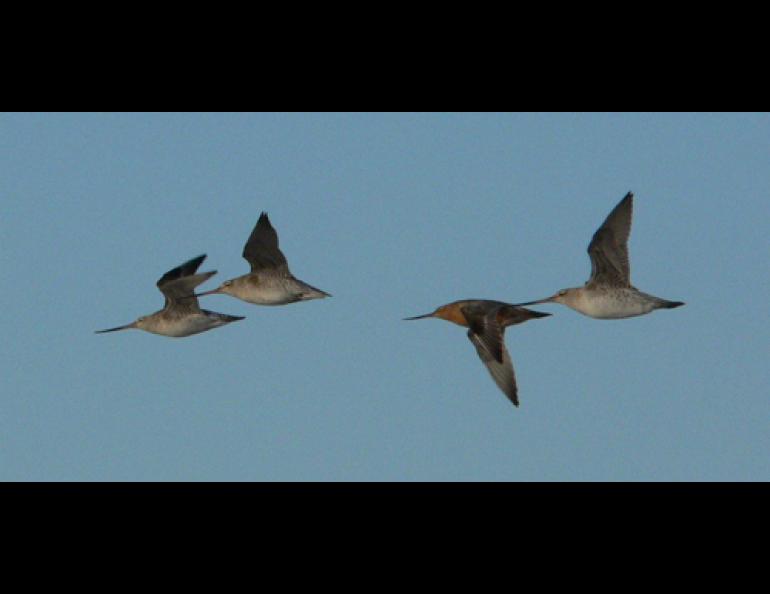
point(186, 326)
point(268, 295)
point(610, 306)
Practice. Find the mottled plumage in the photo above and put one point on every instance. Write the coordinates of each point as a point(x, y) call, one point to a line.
point(608, 293)
point(270, 282)
point(181, 314)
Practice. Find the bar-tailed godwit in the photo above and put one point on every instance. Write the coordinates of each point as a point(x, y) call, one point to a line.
point(608, 294)
point(269, 282)
point(181, 315)
point(486, 322)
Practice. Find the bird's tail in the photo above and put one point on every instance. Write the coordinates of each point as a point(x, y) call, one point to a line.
point(310, 292)
point(223, 318)
point(672, 304)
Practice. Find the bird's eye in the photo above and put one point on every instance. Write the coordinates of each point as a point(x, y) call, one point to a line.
point(563, 292)
point(227, 283)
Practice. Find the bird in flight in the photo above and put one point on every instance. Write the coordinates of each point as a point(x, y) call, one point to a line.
point(181, 314)
point(486, 322)
point(270, 282)
point(608, 294)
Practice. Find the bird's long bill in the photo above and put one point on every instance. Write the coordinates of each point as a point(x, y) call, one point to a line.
point(430, 315)
point(212, 292)
point(539, 301)
point(126, 327)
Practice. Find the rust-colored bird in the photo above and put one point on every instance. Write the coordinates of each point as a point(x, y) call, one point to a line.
point(486, 322)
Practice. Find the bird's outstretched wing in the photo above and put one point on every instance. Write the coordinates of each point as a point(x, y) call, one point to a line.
point(178, 284)
point(261, 250)
point(608, 249)
point(484, 324)
point(501, 371)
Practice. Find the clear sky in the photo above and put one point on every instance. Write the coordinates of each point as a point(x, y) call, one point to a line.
point(393, 214)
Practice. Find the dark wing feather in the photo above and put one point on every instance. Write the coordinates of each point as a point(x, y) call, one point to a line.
point(185, 269)
point(484, 324)
point(501, 371)
point(178, 285)
point(261, 250)
point(608, 249)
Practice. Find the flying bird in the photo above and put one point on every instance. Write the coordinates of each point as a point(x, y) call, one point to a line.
point(608, 294)
point(270, 282)
point(181, 315)
point(486, 322)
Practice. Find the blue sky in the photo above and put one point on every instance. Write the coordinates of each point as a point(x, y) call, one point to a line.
point(394, 214)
